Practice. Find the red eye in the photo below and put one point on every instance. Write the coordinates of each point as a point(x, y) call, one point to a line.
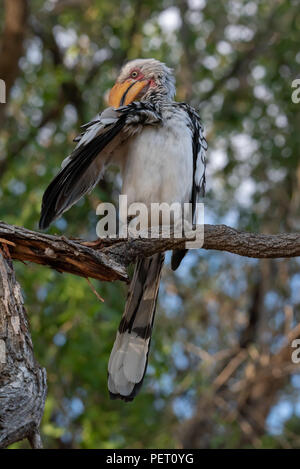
point(134, 74)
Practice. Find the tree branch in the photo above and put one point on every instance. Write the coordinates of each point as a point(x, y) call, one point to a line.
point(240, 395)
point(60, 253)
point(216, 237)
point(107, 259)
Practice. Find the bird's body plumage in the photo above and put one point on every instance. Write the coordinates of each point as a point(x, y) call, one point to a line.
point(149, 178)
point(160, 148)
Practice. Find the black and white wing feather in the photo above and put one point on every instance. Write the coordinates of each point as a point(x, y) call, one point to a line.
point(199, 156)
point(81, 171)
point(199, 167)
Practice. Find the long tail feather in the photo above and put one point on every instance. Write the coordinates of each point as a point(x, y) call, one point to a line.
point(128, 360)
point(177, 256)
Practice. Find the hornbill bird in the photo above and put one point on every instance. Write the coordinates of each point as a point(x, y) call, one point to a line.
point(160, 147)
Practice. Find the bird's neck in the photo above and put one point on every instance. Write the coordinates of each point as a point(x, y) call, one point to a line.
point(158, 97)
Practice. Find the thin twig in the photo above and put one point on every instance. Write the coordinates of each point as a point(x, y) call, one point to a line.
point(94, 290)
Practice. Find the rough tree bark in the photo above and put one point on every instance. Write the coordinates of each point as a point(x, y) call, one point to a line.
point(22, 381)
point(65, 255)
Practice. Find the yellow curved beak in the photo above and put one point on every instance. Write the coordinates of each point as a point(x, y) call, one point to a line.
point(124, 93)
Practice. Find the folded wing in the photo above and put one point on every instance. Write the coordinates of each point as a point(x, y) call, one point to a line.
point(199, 167)
point(84, 167)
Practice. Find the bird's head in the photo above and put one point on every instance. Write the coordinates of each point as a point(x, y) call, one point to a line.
point(139, 80)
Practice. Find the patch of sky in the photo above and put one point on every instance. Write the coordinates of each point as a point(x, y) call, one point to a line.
point(16, 187)
point(170, 19)
point(180, 359)
point(183, 407)
point(278, 415)
point(295, 288)
point(59, 339)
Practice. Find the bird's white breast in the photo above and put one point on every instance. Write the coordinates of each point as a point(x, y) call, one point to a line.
point(159, 163)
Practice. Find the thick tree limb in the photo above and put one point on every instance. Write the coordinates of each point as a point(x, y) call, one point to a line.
point(107, 259)
point(23, 385)
point(61, 254)
point(217, 237)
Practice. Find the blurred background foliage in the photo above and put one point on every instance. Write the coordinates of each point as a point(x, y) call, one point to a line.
point(222, 320)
